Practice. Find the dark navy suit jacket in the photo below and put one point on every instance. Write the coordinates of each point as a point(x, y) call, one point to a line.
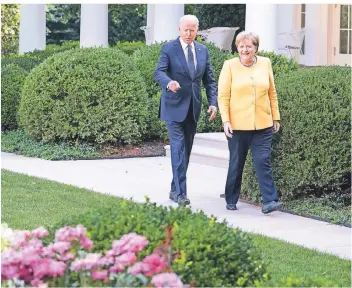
point(172, 65)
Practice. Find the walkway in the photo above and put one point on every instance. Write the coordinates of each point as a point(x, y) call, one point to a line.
point(137, 177)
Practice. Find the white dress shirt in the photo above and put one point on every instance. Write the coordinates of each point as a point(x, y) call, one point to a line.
point(185, 51)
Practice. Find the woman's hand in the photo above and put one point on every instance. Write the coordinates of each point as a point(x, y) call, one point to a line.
point(276, 126)
point(228, 129)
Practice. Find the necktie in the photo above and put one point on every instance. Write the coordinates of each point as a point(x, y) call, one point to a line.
point(191, 68)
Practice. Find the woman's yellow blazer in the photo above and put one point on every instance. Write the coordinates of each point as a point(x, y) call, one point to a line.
point(247, 95)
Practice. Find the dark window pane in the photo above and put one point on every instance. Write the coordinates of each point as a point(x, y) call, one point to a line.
point(303, 7)
point(303, 20)
point(344, 17)
point(343, 42)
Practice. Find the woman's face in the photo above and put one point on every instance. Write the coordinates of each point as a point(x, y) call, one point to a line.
point(246, 50)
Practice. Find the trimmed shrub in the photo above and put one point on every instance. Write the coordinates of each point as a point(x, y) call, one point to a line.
point(204, 125)
point(25, 62)
point(146, 59)
point(12, 79)
point(211, 253)
point(129, 47)
point(92, 94)
point(157, 127)
point(311, 154)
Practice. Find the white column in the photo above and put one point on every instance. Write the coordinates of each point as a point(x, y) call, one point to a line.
point(166, 21)
point(94, 25)
point(32, 27)
point(150, 24)
point(316, 34)
point(262, 19)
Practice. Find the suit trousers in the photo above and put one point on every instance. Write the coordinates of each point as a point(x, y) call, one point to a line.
point(259, 141)
point(181, 136)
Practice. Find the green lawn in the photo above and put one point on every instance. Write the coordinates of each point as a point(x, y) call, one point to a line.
point(29, 202)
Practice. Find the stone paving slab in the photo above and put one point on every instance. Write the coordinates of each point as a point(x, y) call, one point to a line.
point(136, 177)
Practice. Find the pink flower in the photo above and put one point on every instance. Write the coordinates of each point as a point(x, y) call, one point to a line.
point(137, 268)
point(117, 268)
point(61, 247)
point(29, 255)
point(9, 271)
point(38, 283)
point(151, 264)
point(66, 256)
point(100, 275)
point(19, 238)
point(68, 234)
point(155, 262)
point(167, 280)
point(86, 243)
point(77, 265)
point(126, 259)
point(90, 261)
point(131, 242)
point(40, 232)
point(106, 261)
point(48, 267)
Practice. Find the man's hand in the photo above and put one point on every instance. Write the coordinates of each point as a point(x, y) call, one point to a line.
point(276, 126)
point(213, 111)
point(228, 129)
point(173, 86)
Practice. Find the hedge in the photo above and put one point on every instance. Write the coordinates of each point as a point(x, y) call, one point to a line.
point(211, 253)
point(12, 79)
point(94, 95)
point(311, 153)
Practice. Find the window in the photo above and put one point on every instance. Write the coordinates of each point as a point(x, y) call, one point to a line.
point(345, 29)
point(303, 24)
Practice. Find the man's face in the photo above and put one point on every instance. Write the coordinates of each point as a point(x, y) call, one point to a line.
point(188, 31)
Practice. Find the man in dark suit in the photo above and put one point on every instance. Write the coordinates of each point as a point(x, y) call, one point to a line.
point(183, 64)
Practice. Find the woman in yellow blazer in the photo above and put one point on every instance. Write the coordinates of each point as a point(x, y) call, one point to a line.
point(249, 111)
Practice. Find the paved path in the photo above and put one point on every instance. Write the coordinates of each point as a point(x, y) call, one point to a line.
point(137, 177)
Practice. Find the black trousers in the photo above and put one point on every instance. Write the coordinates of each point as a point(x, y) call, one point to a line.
point(181, 136)
point(259, 141)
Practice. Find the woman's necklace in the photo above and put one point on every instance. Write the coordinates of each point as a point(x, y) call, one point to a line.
point(253, 61)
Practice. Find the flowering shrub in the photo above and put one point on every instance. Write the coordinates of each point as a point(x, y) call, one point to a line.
point(25, 260)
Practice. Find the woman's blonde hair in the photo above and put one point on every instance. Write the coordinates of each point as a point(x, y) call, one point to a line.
point(248, 35)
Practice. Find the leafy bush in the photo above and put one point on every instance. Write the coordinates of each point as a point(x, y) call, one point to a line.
point(146, 59)
point(66, 261)
point(129, 47)
point(211, 253)
point(25, 62)
point(157, 127)
point(311, 155)
point(204, 125)
point(12, 79)
point(91, 94)
point(18, 142)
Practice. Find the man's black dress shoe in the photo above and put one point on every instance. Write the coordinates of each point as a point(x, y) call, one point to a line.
point(231, 207)
point(271, 206)
point(183, 200)
point(222, 195)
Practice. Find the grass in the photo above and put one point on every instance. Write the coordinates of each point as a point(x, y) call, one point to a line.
point(29, 202)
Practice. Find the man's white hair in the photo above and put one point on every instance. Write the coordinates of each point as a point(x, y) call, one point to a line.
point(190, 18)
